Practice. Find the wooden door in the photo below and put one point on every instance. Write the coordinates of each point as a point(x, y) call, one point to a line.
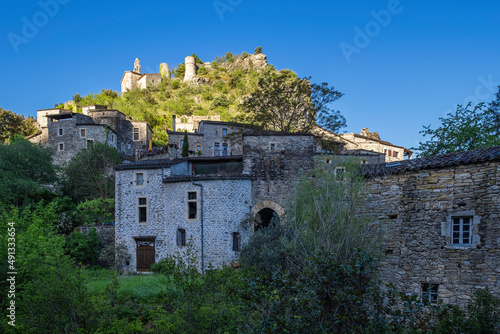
point(145, 255)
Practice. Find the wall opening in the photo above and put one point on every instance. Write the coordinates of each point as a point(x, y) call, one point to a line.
point(263, 218)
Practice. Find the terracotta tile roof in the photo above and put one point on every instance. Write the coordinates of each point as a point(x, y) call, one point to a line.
point(438, 161)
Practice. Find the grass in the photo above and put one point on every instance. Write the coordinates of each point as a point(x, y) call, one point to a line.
point(142, 288)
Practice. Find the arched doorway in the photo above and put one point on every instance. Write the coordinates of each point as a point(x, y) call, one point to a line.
point(264, 212)
point(264, 217)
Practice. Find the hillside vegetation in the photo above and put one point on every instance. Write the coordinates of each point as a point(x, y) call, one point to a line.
point(219, 89)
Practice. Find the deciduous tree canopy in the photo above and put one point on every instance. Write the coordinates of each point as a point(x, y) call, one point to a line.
point(468, 128)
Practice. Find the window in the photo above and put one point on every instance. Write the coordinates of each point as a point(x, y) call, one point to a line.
point(339, 173)
point(273, 146)
point(61, 132)
point(90, 142)
point(192, 205)
point(390, 153)
point(461, 231)
point(328, 161)
point(82, 133)
point(224, 149)
point(182, 144)
point(142, 210)
point(224, 132)
point(394, 154)
point(139, 179)
point(181, 237)
point(61, 146)
point(236, 242)
point(429, 293)
point(112, 138)
point(198, 148)
point(216, 149)
point(385, 151)
point(136, 134)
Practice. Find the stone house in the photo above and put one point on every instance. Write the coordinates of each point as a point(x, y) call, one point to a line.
point(370, 141)
point(440, 220)
point(209, 199)
point(68, 132)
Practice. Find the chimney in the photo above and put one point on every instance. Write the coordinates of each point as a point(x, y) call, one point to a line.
point(173, 122)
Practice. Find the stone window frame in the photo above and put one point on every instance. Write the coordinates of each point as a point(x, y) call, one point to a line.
point(224, 149)
point(139, 206)
point(429, 292)
point(198, 148)
point(84, 132)
point(273, 146)
point(144, 179)
point(60, 147)
point(60, 132)
point(138, 133)
point(197, 201)
point(447, 229)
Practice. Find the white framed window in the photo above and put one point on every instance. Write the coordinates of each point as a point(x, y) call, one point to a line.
point(224, 149)
point(61, 147)
point(142, 210)
point(461, 231)
point(181, 237)
point(429, 293)
point(216, 149)
point(192, 207)
point(83, 133)
point(198, 148)
point(136, 134)
point(60, 132)
point(139, 179)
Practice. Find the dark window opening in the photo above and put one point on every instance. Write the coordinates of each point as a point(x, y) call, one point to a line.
point(236, 242)
point(143, 210)
point(192, 205)
point(136, 134)
point(82, 133)
point(429, 293)
point(181, 237)
point(218, 168)
point(60, 132)
point(273, 146)
point(224, 150)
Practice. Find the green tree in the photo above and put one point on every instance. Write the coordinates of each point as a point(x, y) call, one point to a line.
point(466, 129)
point(494, 113)
point(89, 173)
point(258, 50)
point(13, 124)
point(284, 102)
point(185, 145)
point(25, 169)
point(280, 102)
point(51, 295)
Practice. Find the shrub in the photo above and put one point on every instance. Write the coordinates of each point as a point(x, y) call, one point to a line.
point(220, 101)
point(258, 50)
point(175, 84)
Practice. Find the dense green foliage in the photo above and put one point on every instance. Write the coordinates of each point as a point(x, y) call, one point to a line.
point(89, 173)
point(13, 124)
point(468, 128)
point(24, 170)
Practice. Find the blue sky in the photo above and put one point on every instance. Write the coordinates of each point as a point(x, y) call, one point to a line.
point(401, 64)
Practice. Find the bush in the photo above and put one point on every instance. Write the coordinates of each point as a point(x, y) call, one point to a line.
point(258, 50)
point(175, 84)
point(220, 101)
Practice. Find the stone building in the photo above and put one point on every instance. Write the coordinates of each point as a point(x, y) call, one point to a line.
point(370, 141)
point(135, 79)
point(439, 217)
point(210, 198)
point(68, 132)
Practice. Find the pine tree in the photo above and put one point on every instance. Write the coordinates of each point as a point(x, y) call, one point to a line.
point(185, 145)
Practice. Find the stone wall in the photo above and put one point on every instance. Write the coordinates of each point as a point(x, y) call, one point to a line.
point(276, 167)
point(226, 205)
point(149, 80)
point(414, 210)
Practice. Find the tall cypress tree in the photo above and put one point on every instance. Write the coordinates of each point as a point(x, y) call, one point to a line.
point(185, 145)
